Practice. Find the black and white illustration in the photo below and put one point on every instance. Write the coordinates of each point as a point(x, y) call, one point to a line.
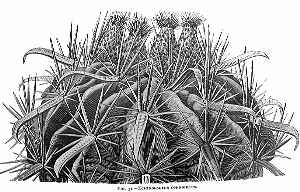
point(146, 100)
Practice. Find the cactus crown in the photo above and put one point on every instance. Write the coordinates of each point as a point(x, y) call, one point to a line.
point(191, 19)
point(167, 19)
point(139, 25)
point(118, 19)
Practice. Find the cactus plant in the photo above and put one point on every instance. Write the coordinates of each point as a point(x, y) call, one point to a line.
point(120, 110)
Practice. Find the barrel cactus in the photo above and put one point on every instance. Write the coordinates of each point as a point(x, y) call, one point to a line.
point(124, 108)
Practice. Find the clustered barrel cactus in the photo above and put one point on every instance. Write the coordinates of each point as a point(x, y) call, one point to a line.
point(121, 107)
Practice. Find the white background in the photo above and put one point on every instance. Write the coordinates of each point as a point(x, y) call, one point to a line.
point(270, 26)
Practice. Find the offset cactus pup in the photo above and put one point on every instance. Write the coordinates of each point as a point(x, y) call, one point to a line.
point(121, 107)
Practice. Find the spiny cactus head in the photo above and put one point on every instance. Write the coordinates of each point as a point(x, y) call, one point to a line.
point(118, 18)
point(116, 112)
point(139, 25)
point(167, 19)
point(191, 19)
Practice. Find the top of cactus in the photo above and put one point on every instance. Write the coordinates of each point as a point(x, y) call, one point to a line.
point(167, 19)
point(192, 19)
point(118, 18)
point(139, 25)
